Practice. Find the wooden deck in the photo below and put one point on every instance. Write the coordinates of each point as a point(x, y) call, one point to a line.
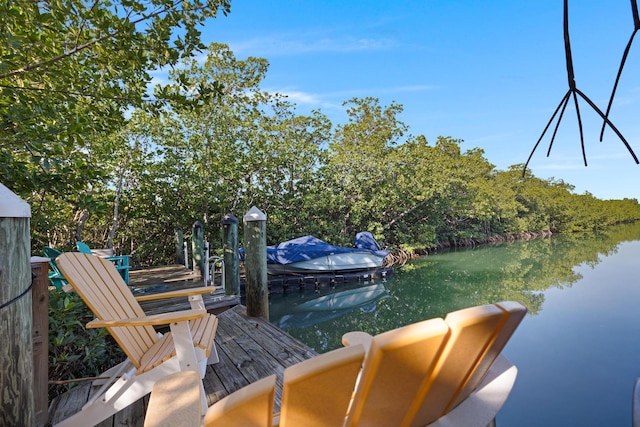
point(249, 349)
point(171, 277)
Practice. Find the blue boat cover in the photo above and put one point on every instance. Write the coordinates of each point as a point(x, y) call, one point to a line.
point(309, 247)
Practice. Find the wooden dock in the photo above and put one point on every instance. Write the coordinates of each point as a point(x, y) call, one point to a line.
point(172, 277)
point(249, 349)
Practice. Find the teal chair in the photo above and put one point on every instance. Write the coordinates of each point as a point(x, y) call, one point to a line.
point(55, 277)
point(121, 262)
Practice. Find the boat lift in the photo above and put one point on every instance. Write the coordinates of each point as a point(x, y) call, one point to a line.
point(211, 264)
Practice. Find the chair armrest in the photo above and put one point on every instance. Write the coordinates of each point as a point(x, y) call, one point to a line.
point(357, 337)
point(179, 293)
point(153, 320)
point(120, 261)
point(116, 257)
point(124, 258)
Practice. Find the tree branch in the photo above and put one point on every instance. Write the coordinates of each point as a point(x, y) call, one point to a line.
point(84, 46)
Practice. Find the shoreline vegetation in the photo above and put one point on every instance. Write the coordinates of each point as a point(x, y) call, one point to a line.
point(128, 187)
point(398, 256)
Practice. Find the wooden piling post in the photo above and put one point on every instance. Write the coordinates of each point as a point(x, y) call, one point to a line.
point(197, 247)
point(16, 351)
point(230, 255)
point(179, 244)
point(255, 240)
point(40, 337)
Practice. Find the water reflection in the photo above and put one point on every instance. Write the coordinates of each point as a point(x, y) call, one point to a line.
point(576, 352)
point(435, 285)
point(308, 311)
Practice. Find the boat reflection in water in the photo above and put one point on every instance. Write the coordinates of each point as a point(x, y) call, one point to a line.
point(304, 309)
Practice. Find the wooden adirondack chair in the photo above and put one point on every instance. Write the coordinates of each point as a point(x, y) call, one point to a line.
point(437, 373)
point(55, 277)
point(150, 356)
point(453, 390)
point(120, 261)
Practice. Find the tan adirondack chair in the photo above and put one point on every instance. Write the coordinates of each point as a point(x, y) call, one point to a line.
point(465, 384)
point(437, 373)
point(150, 356)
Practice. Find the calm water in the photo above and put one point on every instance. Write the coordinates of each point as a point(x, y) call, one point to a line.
point(577, 351)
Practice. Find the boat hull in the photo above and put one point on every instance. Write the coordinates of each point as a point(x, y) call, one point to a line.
point(333, 263)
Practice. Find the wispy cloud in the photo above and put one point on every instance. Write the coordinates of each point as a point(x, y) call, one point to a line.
point(296, 44)
point(335, 99)
point(573, 162)
point(573, 165)
point(307, 99)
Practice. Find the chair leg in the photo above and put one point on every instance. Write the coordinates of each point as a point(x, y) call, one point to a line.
point(126, 390)
point(213, 356)
point(113, 373)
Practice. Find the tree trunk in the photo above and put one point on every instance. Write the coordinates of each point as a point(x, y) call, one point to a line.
point(81, 219)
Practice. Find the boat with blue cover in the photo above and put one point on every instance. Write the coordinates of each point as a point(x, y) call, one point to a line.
point(310, 255)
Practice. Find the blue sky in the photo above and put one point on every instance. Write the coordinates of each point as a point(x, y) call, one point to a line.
point(488, 72)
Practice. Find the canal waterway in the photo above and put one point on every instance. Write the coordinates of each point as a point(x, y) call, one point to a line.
point(577, 350)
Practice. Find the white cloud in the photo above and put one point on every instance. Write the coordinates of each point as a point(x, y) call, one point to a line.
point(334, 100)
point(295, 44)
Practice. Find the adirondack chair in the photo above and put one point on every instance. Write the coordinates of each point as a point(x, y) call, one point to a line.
point(150, 356)
point(436, 373)
point(465, 384)
point(120, 261)
point(55, 277)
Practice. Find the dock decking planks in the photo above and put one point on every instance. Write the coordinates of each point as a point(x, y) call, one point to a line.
point(170, 277)
point(249, 349)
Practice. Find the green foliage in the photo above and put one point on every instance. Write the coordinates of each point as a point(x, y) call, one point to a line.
point(213, 142)
point(69, 72)
point(74, 351)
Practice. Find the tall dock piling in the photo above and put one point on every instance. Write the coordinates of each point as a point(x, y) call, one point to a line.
point(230, 255)
point(197, 248)
point(255, 240)
point(179, 245)
point(16, 351)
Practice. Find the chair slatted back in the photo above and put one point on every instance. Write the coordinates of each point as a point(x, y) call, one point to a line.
point(51, 253)
point(83, 248)
point(398, 369)
point(513, 314)
point(478, 335)
point(103, 290)
point(251, 406)
point(317, 392)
